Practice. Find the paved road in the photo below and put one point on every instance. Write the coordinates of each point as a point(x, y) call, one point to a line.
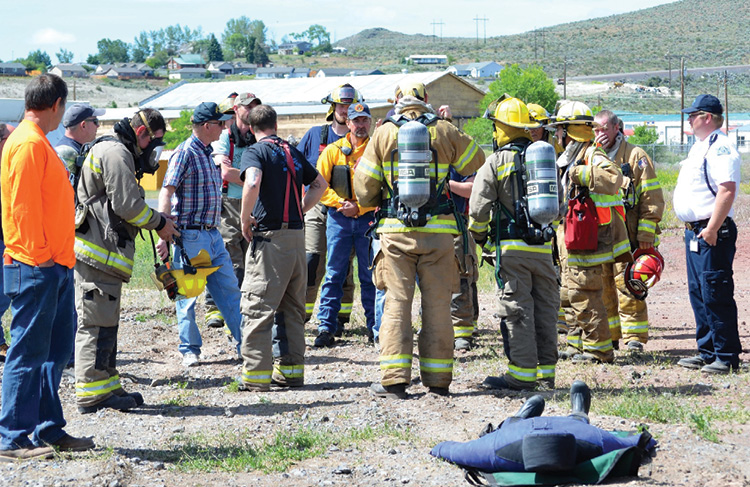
point(644, 75)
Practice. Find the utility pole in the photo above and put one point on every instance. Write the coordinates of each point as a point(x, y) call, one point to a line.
point(682, 100)
point(483, 19)
point(434, 23)
point(565, 79)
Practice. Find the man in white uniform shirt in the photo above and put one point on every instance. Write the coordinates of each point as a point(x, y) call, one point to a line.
point(703, 198)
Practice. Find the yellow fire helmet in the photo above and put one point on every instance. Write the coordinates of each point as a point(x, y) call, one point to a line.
point(344, 94)
point(191, 280)
point(511, 111)
point(577, 118)
point(538, 113)
point(411, 89)
point(227, 105)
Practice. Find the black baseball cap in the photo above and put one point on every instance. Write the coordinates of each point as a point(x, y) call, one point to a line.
point(705, 103)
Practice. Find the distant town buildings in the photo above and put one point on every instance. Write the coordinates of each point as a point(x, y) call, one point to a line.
point(427, 59)
point(487, 69)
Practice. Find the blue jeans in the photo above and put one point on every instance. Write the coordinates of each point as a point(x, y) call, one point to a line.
point(4, 300)
point(379, 295)
point(222, 284)
point(711, 288)
point(343, 233)
point(42, 330)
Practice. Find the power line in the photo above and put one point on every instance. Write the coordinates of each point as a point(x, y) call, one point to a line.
point(477, 19)
point(434, 23)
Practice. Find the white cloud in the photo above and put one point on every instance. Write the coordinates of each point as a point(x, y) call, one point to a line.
point(52, 36)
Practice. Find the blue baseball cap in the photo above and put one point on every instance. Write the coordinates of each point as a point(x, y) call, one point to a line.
point(705, 103)
point(79, 112)
point(358, 110)
point(209, 111)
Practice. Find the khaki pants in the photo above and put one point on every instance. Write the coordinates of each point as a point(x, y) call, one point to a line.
point(528, 308)
point(627, 316)
point(590, 331)
point(315, 248)
point(403, 257)
point(464, 308)
point(275, 277)
point(98, 308)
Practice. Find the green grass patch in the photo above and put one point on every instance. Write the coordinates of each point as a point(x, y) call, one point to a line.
point(237, 452)
point(650, 405)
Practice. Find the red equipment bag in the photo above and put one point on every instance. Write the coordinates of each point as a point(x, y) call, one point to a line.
point(581, 224)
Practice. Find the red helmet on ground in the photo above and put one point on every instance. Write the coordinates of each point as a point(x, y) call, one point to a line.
point(643, 272)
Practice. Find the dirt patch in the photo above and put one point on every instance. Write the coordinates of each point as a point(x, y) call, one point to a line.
point(195, 407)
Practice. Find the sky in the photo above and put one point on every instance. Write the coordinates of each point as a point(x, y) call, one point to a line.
point(77, 25)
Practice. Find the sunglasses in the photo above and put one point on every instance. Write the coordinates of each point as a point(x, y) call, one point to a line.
point(95, 121)
point(695, 115)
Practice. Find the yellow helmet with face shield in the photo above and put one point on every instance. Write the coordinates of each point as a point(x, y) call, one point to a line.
point(345, 95)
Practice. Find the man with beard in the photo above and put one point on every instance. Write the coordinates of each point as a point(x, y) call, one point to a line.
point(347, 225)
point(312, 144)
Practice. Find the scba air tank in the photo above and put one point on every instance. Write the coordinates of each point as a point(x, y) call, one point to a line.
point(541, 186)
point(414, 158)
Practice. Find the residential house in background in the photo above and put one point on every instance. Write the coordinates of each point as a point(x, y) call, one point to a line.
point(340, 50)
point(188, 73)
point(278, 72)
point(123, 72)
point(186, 61)
point(245, 69)
point(12, 69)
point(488, 69)
point(225, 67)
point(67, 70)
point(427, 59)
point(293, 48)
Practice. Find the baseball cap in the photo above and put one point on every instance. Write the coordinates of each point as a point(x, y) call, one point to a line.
point(411, 89)
point(209, 111)
point(246, 99)
point(78, 112)
point(705, 103)
point(358, 110)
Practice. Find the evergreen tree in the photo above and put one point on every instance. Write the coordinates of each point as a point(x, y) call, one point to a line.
point(214, 49)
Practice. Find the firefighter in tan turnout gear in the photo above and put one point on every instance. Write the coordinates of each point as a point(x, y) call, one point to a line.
point(644, 206)
point(404, 171)
point(594, 230)
point(513, 204)
point(105, 248)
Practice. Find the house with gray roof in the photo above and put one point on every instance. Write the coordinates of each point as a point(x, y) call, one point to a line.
point(488, 69)
point(12, 69)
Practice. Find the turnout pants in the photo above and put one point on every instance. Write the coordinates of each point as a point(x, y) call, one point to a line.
point(528, 308)
point(589, 332)
point(403, 257)
point(627, 316)
point(275, 277)
point(315, 249)
point(98, 306)
point(565, 314)
point(465, 306)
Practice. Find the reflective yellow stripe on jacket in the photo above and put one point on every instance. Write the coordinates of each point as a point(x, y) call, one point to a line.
point(102, 255)
point(98, 388)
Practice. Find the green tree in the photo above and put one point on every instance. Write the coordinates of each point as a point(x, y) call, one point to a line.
point(260, 57)
point(93, 59)
point(213, 50)
point(141, 48)
point(158, 60)
point(36, 60)
point(317, 35)
point(113, 51)
point(235, 45)
point(181, 129)
point(532, 85)
point(64, 56)
point(644, 135)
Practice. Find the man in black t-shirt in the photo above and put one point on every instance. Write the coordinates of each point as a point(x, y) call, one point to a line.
point(273, 173)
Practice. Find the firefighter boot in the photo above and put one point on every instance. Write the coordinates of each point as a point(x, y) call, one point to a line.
point(580, 398)
point(533, 407)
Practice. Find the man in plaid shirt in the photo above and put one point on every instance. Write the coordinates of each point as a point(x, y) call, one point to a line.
point(191, 191)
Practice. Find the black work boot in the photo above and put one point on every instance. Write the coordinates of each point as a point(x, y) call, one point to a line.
point(580, 398)
point(533, 407)
point(121, 403)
